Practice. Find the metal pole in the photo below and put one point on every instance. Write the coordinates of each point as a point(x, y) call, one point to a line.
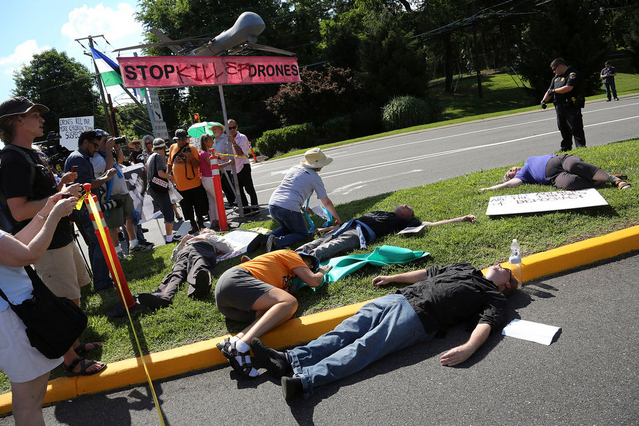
point(236, 185)
point(148, 105)
point(107, 116)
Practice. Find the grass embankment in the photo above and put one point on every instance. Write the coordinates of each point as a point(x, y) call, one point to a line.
point(483, 243)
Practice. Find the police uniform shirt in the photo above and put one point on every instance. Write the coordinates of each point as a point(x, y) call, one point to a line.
point(571, 77)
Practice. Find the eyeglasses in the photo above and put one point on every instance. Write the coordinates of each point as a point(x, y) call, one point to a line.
point(232, 127)
point(554, 68)
point(95, 145)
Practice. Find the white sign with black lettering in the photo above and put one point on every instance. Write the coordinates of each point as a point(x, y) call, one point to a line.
point(154, 98)
point(161, 130)
point(71, 128)
point(544, 201)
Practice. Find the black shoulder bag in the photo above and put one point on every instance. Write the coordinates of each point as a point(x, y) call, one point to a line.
point(160, 185)
point(53, 323)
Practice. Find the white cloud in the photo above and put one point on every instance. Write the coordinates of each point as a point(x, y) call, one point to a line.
point(116, 25)
point(22, 55)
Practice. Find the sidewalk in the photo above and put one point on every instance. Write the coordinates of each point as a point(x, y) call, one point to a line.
point(205, 354)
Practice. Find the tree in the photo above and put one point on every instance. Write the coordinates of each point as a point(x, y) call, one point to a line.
point(62, 84)
point(569, 29)
point(320, 95)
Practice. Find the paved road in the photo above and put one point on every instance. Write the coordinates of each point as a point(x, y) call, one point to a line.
point(405, 161)
point(588, 376)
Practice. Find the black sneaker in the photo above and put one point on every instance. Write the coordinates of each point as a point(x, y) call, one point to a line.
point(202, 284)
point(292, 387)
point(274, 361)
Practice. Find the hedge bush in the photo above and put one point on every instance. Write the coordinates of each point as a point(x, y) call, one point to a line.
point(407, 111)
point(336, 129)
point(283, 140)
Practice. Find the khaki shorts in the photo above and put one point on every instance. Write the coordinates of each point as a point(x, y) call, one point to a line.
point(63, 271)
point(20, 361)
point(117, 217)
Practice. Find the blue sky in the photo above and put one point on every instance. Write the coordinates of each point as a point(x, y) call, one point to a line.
point(32, 27)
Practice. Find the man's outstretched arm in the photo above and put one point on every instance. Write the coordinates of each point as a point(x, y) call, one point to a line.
point(407, 277)
point(468, 218)
point(463, 352)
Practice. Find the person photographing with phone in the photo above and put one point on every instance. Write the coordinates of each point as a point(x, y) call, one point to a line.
point(184, 165)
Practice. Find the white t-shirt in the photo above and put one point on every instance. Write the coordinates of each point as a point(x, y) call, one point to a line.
point(14, 282)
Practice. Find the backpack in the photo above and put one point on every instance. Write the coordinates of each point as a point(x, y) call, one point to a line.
point(7, 222)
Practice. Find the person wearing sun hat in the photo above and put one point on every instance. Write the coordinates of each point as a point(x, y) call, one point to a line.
point(136, 151)
point(288, 198)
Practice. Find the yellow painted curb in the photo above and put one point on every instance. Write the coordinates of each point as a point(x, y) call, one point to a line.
point(202, 355)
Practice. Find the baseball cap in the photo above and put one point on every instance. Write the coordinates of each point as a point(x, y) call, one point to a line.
point(181, 134)
point(19, 105)
point(101, 133)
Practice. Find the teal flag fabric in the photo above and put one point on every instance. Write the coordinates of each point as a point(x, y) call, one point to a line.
point(381, 256)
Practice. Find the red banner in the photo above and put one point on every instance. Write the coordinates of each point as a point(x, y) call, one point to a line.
point(173, 71)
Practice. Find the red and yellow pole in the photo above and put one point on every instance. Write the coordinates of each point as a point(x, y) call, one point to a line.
point(219, 195)
point(102, 232)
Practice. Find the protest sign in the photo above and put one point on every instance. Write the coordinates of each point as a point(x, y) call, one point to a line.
point(544, 201)
point(71, 128)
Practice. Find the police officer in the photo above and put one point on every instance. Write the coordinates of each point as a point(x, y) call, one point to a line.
point(565, 87)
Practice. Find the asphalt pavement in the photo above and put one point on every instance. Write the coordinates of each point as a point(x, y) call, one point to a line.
point(588, 376)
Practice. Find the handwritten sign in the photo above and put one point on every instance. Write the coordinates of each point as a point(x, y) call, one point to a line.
point(71, 128)
point(544, 201)
point(178, 71)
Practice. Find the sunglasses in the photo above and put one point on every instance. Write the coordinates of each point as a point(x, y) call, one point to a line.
point(95, 145)
point(553, 68)
point(232, 127)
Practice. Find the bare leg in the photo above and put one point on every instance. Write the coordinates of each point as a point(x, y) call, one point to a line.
point(273, 308)
point(27, 400)
point(168, 227)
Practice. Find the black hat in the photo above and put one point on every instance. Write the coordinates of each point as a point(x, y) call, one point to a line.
point(19, 105)
point(181, 134)
point(315, 262)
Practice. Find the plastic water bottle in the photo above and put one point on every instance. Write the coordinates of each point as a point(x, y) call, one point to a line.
point(515, 261)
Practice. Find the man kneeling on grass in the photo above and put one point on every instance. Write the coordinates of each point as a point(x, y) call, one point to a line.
point(357, 232)
point(439, 298)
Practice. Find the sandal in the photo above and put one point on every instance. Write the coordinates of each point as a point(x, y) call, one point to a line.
point(224, 344)
point(230, 352)
point(84, 365)
point(620, 176)
point(81, 349)
point(622, 184)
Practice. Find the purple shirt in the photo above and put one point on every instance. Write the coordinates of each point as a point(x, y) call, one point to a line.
point(534, 170)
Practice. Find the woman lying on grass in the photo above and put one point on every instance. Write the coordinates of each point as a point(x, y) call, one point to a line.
point(562, 171)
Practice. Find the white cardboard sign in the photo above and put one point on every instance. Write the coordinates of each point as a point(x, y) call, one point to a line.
point(544, 201)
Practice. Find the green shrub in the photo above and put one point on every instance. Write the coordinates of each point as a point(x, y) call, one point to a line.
point(286, 139)
point(407, 111)
point(337, 129)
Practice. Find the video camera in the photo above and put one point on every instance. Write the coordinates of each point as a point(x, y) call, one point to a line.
point(56, 154)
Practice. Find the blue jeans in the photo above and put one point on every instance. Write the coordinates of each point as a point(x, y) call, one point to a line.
point(611, 87)
point(101, 278)
point(385, 325)
point(292, 226)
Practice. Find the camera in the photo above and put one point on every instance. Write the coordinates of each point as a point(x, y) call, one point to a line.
point(186, 148)
point(120, 140)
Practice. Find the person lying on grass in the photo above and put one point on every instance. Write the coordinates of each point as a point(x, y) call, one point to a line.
point(438, 298)
point(257, 291)
point(562, 171)
point(356, 233)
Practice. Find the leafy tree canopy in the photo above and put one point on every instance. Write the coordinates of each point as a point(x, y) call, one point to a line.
point(62, 84)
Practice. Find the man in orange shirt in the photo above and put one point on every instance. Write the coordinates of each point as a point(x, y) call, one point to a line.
point(184, 165)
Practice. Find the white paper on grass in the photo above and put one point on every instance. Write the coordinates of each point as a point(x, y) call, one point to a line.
point(544, 201)
point(412, 229)
point(532, 331)
point(318, 210)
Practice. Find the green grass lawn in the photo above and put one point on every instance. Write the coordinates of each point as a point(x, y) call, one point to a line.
point(484, 243)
